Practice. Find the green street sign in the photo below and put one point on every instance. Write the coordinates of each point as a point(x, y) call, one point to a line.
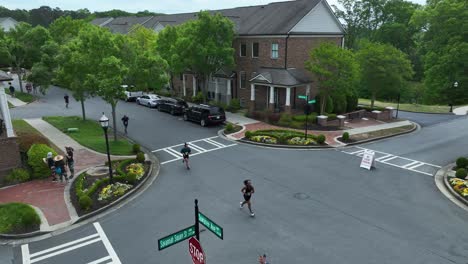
point(212, 226)
point(311, 101)
point(176, 237)
point(302, 97)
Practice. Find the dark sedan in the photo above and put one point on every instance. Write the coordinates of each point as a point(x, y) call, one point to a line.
point(173, 105)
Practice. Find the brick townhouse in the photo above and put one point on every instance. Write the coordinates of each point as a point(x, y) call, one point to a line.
point(272, 44)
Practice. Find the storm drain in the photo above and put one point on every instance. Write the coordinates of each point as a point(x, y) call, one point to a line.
point(301, 196)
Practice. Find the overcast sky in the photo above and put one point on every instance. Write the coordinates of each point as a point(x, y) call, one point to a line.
point(169, 7)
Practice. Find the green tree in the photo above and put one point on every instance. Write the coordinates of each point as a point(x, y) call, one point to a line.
point(43, 72)
point(108, 79)
point(335, 69)
point(65, 29)
point(383, 68)
point(167, 49)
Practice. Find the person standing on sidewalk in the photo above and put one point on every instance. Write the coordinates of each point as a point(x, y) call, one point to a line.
point(12, 90)
point(70, 162)
point(125, 122)
point(66, 98)
point(49, 160)
point(60, 167)
point(247, 190)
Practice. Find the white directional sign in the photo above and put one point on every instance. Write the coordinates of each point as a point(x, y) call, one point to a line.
point(367, 161)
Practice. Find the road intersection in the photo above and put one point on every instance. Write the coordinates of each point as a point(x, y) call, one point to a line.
point(311, 206)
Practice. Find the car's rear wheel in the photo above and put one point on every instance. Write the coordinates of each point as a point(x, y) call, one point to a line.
point(185, 117)
point(203, 122)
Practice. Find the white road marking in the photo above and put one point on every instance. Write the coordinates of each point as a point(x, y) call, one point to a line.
point(107, 244)
point(70, 246)
point(192, 144)
point(386, 157)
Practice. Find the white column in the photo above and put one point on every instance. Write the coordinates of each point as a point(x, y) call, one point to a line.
point(216, 89)
point(288, 96)
point(272, 94)
point(252, 92)
point(183, 85)
point(308, 90)
point(6, 114)
point(194, 80)
point(228, 85)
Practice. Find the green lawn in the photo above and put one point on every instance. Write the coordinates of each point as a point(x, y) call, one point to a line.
point(25, 97)
point(18, 218)
point(409, 107)
point(90, 134)
point(22, 127)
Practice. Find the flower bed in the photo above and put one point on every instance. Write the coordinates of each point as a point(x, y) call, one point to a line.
point(284, 137)
point(90, 193)
point(460, 186)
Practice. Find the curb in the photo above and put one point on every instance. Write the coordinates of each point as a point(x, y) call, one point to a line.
point(449, 187)
point(441, 181)
point(416, 127)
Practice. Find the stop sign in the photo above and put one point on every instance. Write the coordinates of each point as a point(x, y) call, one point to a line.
point(196, 251)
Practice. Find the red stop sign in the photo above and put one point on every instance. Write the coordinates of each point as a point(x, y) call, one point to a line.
point(196, 251)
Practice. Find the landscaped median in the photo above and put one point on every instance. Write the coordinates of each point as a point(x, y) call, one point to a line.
point(361, 135)
point(90, 134)
point(92, 191)
point(457, 178)
point(280, 137)
point(18, 218)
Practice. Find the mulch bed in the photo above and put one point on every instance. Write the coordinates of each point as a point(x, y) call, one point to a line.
point(88, 182)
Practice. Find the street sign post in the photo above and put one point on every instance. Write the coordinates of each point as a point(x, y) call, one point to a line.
point(302, 97)
point(311, 101)
point(176, 237)
point(211, 225)
point(196, 251)
point(307, 109)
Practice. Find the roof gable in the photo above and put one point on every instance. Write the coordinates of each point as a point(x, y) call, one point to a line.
point(319, 20)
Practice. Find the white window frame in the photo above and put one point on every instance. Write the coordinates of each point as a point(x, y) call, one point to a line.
point(240, 50)
point(258, 44)
point(274, 51)
point(240, 79)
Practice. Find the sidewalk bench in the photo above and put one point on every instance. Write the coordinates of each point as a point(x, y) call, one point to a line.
point(72, 129)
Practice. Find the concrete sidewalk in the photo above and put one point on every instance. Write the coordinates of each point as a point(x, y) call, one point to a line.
point(239, 119)
point(368, 129)
point(14, 101)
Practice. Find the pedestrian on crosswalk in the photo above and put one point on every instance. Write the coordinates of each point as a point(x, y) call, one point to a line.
point(185, 155)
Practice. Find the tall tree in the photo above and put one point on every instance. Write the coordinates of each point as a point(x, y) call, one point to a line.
point(64, 29)
point(166, 48)
point(43, 72)
point(445, 48)
point(335, 70)
point(17, 48)
point(383, 69)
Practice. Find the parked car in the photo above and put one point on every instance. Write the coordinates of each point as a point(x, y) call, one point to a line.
point(205, 114)
point(150, 100)
point(131, 96)
point(173, 106)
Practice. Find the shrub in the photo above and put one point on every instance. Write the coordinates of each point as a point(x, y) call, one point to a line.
point(321, 139)
point(140, 157)
point(331, 117)
point(199, 98)
point(229, 128)
point(339, 103)
point(248, 134)
point(131, 178)
point(85, 202)
point(26, 140)
point(297, 124)
point(264, 139)
point(35, 159)
point(345, 136)
point(234, 105)
point(18, 217)
point(461, 173)
point(121, 168)
point(17, 176)
point(136, 148)
point(462, 162)
point(285, 119)
point(301, 141)
point(351, 102)
point(272, 117)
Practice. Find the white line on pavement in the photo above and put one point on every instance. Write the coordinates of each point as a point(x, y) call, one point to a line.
point(173, 152)
point(25, 253)
point(197, 148)
point(384, 157)
point(65, 250)
point(195, 154)
point(385, 160)
point(212, 142)
point(107, 244)
point(64, 245)
point(100, 260)
point(415, 166)
point(409, 165)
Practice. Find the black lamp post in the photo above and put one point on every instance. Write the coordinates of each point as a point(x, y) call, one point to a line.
point(455, 85)
point(104, 121)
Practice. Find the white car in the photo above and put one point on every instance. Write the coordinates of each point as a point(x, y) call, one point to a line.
point(150, 100)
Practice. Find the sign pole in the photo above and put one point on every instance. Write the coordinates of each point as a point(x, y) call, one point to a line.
point(197, 227)
point(307, 115)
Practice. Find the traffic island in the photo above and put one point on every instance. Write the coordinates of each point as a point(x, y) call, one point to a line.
point(92, 191)
point(284, 139)
point(372, 133)
point(455, 179)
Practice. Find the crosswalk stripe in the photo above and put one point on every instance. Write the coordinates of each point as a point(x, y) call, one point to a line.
point(214, 143)
point(197, 148)
point(172, 152)
point(383, 157)
point(410, 164)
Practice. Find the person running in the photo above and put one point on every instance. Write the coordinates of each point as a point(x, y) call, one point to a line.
point(247, 190)
point(67, 100)
point(70, 162)
point(185, 155)
point(125, 122)
point(12, 90)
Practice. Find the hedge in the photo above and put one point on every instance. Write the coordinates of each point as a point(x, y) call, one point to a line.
point(18, 217)
point(36, 154)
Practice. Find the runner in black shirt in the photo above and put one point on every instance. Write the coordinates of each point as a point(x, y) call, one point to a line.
point(185, 155)
point(247, 190)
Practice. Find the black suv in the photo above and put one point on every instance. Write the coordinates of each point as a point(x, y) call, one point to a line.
point(173, 106)
point(205, 114)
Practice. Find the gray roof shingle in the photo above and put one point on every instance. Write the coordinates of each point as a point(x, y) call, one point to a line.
point(283, 77)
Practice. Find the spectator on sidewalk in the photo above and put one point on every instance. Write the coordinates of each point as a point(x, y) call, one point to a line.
point(70, 161)
point(49, 160)
point(28, 87)
point(66, 98)
point(125, 122)
point(34, 88)
point(12, 90)
point(60, 167)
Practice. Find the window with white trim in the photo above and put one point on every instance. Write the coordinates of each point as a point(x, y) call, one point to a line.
point(274, 50)
point(255, 50)
point(242, 80)
point(243, 50)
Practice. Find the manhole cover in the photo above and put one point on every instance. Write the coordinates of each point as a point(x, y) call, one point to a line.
point(301, 196)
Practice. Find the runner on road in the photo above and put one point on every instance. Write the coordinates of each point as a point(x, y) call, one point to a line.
point(67, 100)
point(185, 155)
point(125, 122)
point(247, 190)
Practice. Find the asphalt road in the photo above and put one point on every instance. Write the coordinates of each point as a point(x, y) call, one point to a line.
point(425, 120)
point(311, 206)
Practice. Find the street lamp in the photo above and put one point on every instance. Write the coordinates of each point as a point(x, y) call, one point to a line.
point(455, 85)
point(104, 121)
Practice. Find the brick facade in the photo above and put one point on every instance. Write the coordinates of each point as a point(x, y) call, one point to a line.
point(10, 156)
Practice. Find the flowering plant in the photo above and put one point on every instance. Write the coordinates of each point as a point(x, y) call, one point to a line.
point(137, 169)
point(264, 139)
point(301, 141)
point(113, 190)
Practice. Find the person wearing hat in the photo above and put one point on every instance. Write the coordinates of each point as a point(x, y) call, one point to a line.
point(49, 160)
point(70, 161)
point(60, 167)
